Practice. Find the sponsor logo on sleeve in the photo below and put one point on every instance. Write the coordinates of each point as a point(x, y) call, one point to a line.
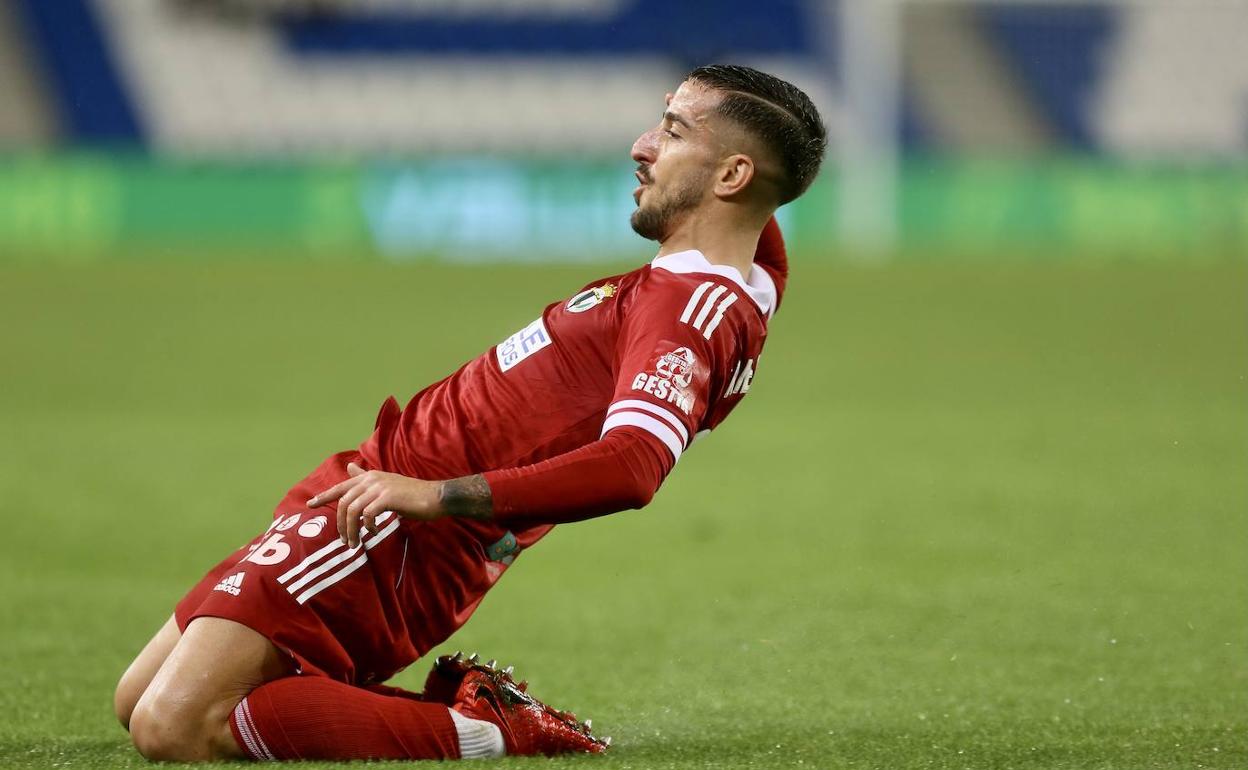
point(522, 344)
point(670, 381)
point(591, 298)
point(677, 366)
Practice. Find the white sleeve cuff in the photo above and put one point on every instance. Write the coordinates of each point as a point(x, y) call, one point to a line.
point(660, 429)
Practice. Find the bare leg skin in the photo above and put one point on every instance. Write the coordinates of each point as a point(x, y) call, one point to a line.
point(183, 715)
point(140, 673)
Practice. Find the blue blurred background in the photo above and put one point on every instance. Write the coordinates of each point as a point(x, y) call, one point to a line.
point(492, 130)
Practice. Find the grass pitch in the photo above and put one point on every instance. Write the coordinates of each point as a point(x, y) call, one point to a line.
point(968, 517)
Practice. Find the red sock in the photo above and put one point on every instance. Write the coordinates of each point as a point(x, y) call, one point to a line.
point(311, 717)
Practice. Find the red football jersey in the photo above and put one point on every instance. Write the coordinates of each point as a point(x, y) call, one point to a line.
point(668, 349)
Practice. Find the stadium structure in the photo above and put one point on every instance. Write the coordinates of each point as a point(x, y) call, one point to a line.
point(1069, 126)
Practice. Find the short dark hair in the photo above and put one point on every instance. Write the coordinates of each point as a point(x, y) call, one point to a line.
point(778, 113)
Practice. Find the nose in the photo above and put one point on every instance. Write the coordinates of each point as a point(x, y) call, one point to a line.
point(645, 146)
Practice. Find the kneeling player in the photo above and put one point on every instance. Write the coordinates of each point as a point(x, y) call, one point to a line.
point(279, 652)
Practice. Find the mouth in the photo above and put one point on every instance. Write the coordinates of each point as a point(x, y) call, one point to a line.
point(643, 182)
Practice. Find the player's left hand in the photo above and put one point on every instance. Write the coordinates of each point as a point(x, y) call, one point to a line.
point(367, 494)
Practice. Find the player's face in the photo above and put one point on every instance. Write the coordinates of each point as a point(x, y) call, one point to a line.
point(675, 162)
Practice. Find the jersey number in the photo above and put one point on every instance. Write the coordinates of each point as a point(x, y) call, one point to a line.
point(271, 551)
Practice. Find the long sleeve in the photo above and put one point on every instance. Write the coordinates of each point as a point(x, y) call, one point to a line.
point(622, 470)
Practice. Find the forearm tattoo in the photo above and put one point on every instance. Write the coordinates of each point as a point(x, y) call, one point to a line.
point(467, 497)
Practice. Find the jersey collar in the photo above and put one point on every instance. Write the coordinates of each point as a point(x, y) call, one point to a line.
point(759, 286)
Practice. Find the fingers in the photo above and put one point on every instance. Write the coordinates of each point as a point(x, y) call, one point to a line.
point(378, 506)
point(355, 510)
point(359, 508)
point(365, 496)
point(331, 494)
point(362, 514)
point(337, 490)
point(347, 526)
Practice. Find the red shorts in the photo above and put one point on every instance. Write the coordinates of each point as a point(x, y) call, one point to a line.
point(356, 615)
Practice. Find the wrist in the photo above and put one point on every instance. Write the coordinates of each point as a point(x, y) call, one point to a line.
point(467, 497)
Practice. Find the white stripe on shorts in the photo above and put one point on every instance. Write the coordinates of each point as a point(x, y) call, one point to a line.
point(347, 570)
point(324, 551)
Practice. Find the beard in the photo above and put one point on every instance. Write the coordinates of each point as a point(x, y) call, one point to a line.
point(655, 219)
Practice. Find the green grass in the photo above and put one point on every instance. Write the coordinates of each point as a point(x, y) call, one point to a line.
point(968, 516)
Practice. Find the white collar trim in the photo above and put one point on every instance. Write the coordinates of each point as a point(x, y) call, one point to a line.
point(759, 286)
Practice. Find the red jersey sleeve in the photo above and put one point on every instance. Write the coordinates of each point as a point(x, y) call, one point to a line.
point(614, 473)
point(673, 341)
point(772, 256)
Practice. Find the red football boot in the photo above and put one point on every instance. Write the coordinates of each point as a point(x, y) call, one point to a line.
point(442, 683)
point(445, 677)
point(528, 725)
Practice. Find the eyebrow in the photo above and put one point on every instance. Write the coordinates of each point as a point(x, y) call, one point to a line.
point(669, 115)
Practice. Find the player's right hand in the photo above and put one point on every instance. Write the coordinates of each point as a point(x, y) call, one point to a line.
point(367, 494)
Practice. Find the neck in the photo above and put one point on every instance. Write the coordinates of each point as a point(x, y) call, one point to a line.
point(724, 235)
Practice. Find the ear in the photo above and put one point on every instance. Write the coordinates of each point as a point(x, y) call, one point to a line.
point(734, 174)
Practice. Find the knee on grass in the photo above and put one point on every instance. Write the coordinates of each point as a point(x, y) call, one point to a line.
point(164, 731)
point(124, 701)
point(130, 689)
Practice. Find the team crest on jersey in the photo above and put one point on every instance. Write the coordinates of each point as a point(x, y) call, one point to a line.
point(591, 297)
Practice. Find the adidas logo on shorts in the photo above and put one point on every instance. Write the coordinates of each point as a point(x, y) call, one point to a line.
point(232, 585)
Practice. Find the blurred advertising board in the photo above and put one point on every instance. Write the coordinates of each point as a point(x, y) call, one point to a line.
point(82, 207)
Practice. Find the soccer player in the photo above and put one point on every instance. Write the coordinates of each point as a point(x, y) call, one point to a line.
point(382, 552)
